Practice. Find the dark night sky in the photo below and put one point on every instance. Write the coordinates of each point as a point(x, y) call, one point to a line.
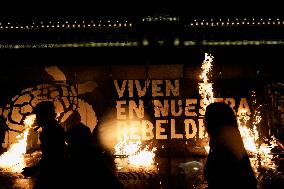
point(267, 59)
point(145, 7)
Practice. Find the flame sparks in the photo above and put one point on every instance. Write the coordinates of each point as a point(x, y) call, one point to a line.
point(13, 159)
point(260, 153)
point(29, 121)
point(137, 157)
point(206, 88)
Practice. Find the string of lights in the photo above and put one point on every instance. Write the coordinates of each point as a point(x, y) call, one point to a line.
point(236, 22)
point(9, 25)
point(137, 44)
point(116, 24)
point(69, 45)
point(129, 25)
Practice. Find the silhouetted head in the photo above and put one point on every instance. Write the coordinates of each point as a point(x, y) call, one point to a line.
point(219, 115)
point(74, 118)
point(44, 111)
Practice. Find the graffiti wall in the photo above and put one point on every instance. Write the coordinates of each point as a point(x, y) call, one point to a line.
point(157, 104)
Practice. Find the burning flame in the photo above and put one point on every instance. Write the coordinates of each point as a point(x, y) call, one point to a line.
point(260, 153)
point(29, 120)
point(137, 157)
point(13, 159)
point(205, 88)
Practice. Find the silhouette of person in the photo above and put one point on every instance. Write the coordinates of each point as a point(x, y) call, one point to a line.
point(78, 136)
point(86, 165)
point(102, 149)
point(228, 164)
point(52, 142)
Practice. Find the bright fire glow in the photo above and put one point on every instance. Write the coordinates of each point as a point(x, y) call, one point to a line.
point(29, 120)
point(260, 153)
point(13, 159)
point(206, 88)
point(137, 157)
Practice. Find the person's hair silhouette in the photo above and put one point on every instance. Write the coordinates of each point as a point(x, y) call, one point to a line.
point(83, 158)
point(52, 143)
point(78, 136)
point(228, 164)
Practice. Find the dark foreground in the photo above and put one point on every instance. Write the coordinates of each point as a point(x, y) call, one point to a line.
point(173, 173)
